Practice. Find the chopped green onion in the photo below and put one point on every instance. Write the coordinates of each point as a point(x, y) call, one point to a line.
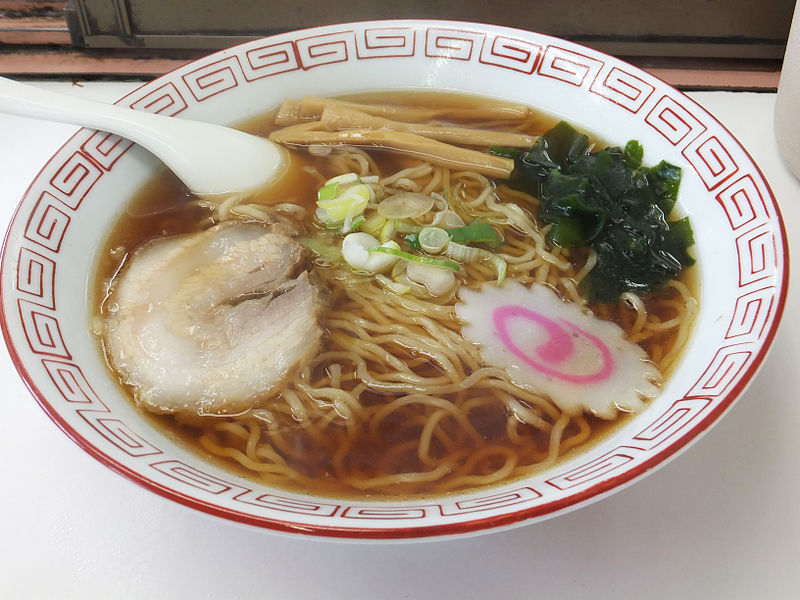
point(415, 258)
point(344, 178)
point(402, 226)
point(405, 205)
point(325, 220)
point(394, 286)
point(469, 254)
point(387, 231)
point(373, 225)
point(447, 219)
point(327, 191)
point(433, 239)
point(463, 253)
point(476, 232)
point(340, 206)
point(399, 269)
point(500, 265)
point(436, 281)
point(357, 253)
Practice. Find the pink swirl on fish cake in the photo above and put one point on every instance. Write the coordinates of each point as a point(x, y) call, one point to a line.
point(557, 349)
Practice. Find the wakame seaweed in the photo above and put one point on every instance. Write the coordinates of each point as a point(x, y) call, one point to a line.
point(608, 201)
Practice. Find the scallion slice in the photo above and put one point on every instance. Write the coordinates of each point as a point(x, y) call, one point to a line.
point(433, 239)
point(415, 258)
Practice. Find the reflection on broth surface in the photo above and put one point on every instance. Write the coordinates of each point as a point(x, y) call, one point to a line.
point(393, 401)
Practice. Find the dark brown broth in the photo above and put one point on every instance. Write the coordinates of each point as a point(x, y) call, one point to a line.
point(162, 208)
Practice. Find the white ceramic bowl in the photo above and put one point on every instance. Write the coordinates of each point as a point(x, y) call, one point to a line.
point(51, 246)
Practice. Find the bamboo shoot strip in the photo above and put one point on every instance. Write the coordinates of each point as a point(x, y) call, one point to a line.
point(336, 117)
point(434, 151)
point(312, 107)
point(289, 113)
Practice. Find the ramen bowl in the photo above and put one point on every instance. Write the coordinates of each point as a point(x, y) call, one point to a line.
point(52, 245)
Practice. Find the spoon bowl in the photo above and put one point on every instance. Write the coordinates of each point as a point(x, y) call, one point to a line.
point(212, 160)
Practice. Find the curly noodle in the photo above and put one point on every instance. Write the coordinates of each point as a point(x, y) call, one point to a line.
point(397, 402)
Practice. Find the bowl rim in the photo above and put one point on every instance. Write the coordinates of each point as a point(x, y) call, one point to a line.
point(431, 531)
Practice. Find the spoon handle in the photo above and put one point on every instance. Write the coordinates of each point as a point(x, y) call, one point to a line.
point(210, 159)
point(35, 102)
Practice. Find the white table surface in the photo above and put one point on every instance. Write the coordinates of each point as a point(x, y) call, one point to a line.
point(722, 520)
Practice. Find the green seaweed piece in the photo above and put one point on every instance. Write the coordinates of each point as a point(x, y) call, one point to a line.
point(610, 202)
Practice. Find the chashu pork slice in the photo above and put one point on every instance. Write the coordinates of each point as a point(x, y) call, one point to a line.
point(211, 322)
